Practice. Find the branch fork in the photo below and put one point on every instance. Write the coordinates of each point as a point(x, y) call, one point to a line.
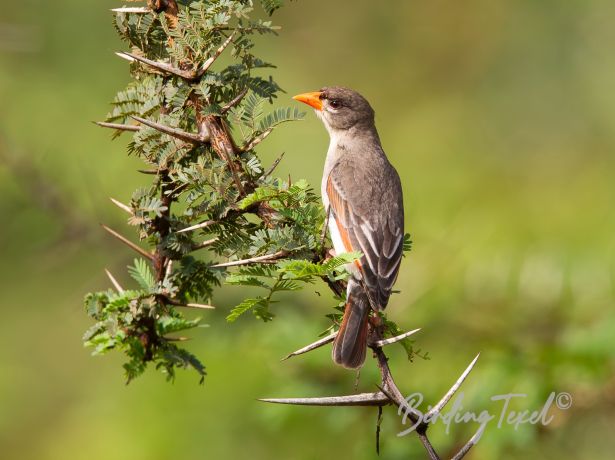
point(190, 75)
point(388, 394)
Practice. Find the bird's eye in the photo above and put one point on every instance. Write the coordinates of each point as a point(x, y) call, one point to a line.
point(335, 104)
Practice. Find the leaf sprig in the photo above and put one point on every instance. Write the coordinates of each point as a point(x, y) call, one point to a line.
point(213, 213)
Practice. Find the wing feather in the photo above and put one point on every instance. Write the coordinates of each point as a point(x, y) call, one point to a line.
point(369, 223)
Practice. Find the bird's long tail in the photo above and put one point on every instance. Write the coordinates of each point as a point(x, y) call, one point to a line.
point(350, 344)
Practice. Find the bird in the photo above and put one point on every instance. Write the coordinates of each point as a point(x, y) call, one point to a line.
point(362, 196)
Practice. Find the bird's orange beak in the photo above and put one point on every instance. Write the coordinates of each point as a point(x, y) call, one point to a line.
point(311, 99)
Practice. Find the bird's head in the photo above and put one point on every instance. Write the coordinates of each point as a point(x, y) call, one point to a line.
point(339, 108)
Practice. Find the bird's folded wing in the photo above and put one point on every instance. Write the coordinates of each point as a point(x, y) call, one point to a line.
point(370, 224)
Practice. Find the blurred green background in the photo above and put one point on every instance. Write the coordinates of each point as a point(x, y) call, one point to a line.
point(499, 116)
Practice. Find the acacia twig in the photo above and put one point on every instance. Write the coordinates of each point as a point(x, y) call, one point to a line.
point(190, 75)
point(389, 387)
point(233, 102)
point(389, 393)
point(221, 142)
point(249, 145)
point(160, 66)
point(208, 63)
point(174, 132)
point(273, 166)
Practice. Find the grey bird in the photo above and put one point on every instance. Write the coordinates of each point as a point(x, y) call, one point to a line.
point(362, 195)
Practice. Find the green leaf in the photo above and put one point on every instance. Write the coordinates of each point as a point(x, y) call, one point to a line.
point(259, 195)
point(243, 307)
point(172, 357)
point(168, 324)
point(305, 270)
point(201, 186)
point(407, 245)
point(142, 274)
point(245, 280)
point(95, 303)
point(338, 261)
point(271, 5)
point(278, 116)
point(93, 331)
point(392, 330)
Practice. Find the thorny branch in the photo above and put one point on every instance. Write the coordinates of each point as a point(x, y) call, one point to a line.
point(190, 75)
point(212, 130)
point(174, 132)
point(389, 393)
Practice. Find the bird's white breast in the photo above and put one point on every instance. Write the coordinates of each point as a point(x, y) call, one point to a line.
point(336, 237)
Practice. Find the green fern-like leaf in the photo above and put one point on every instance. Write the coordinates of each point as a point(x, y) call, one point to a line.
point(278, 116)
point(168, 324)
point(271, 5)
point(407, 245)
point(143, 275)
point(246, 305)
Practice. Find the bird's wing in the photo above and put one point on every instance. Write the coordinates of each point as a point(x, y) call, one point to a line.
point(368, 211)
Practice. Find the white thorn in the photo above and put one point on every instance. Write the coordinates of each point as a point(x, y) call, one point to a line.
point(200, 305)
point(121, 205)
point(125, 56)
point(362, 399)
point(312, 346)
point(117, 286)
point(471, 443)
point(262, 259)
point(132, 9)
point(197, 226)
point(383, 342)
point(449, 394)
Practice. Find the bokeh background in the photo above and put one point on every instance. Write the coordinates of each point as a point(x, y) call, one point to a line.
point(499, 116)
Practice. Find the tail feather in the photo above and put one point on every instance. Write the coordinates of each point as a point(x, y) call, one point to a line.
point(350, 344)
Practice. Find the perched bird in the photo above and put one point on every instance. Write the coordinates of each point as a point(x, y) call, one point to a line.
point(362, 195)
